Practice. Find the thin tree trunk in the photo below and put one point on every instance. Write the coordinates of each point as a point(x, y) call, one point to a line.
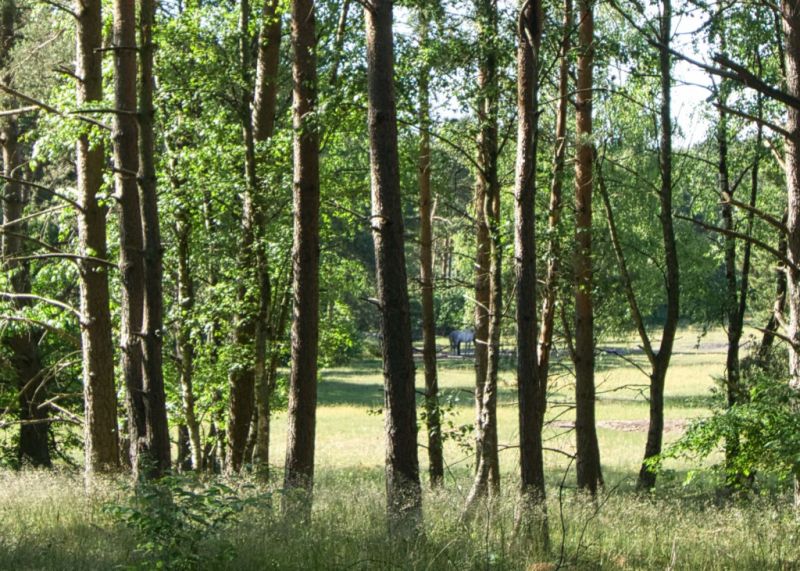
point(158, 444)
point(302, 413)
point(263, 119)
point(531, 517)
point(487, 194)
point(734, 325)
point(660, 363)
point(101, 445)
point(243, 374)
point(403, 493)
point(126, 164)
point(432, 412)
point(765, 348)
point(554, 212)
point(186, 349)
point(588, 452)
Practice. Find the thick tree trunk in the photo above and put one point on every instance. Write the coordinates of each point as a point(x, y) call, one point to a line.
point(305, 261)
point(158, 444)
point(101, 439)
point(432, 412)
point(791, 26)
point(660, 362)
point(531, 386)
point(554, 210)
point(403, 493)
point(588, 452)
point(126, 164)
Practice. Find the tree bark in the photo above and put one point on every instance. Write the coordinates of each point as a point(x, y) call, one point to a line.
point(305, 262)
point(186, 349)
point(403, 493)
point(126, 164)
point(588, 452)
point(263, 119)
point(158, 444)
point(487, 192)
point(432, 412)
point(660, 362)
point(242, 376)
point(531, 386)
point(765, 348)
point(791, 28)
point(22, 342)
point(101, 445)
point(554, 211)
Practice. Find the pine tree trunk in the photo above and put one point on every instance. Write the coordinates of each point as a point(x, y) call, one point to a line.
point(588, 452)
point(403, 493)
point(531, 386)
point(25, 359)
point(432, 412)
point(101, 439)
point(263, 120)
point(554, 210)
point(126, 164)
point(158, 444)
point(486, 185)
point(791, 27)
point(242, 375)
point(34, 448)
point(305, 263)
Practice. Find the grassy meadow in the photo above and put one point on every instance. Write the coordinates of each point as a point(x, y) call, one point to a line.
point(49, 521)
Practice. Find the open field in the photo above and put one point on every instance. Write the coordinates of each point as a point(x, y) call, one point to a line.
point(48, 522)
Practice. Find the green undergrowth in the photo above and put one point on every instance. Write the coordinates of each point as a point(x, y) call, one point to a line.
point(49, 521)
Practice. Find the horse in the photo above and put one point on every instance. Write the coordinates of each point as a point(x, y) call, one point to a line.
point(466, 336)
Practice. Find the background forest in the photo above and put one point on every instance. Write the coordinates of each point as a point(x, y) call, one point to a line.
point(235, 232)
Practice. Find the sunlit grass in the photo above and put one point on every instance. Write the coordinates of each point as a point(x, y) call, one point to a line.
point(48, 521)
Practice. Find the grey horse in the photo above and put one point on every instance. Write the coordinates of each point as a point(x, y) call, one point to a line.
point(466, 336)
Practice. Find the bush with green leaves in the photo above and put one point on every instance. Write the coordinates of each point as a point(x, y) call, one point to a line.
point(765, 426)
point(173, 518)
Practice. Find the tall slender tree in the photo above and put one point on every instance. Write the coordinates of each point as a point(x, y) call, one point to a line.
point(23, 342)
point(660, 361)
point(242, 374)
point(101, 437)
point(487, 187)
point(158, 444)
point(305, 257)
point(588, 451)
point(403, 493)
point(432, 412)
point(790, 12)
point(530, 384)
point(126, 165)
point(550, 287)
point(263, 119)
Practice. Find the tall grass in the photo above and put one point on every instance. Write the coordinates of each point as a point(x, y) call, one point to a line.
point(48, 521)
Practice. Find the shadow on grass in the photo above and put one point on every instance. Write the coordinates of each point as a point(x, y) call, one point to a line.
point(345, 393)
